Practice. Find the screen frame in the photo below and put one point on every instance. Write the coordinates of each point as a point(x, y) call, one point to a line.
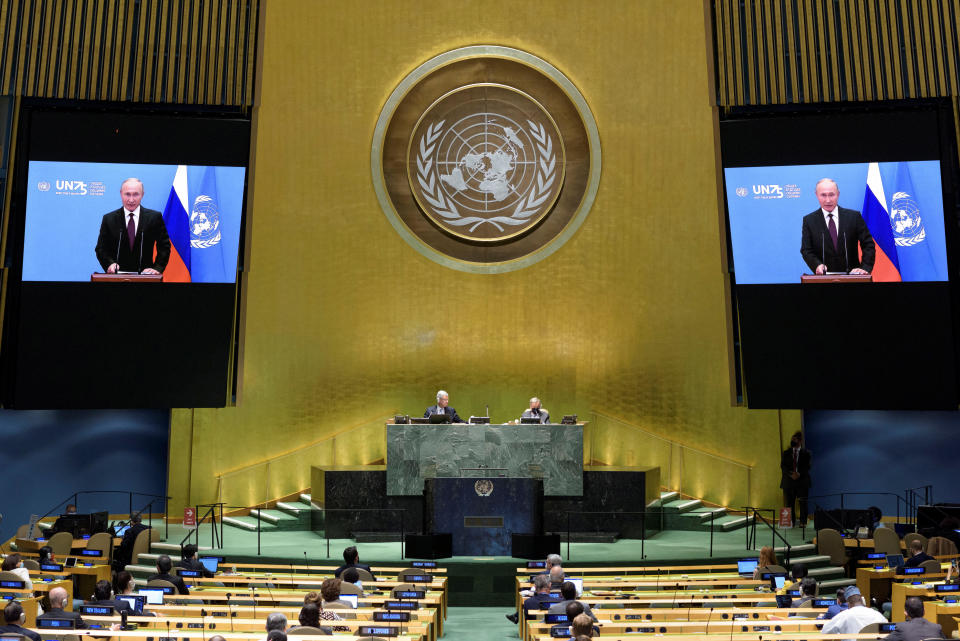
point(770, 122)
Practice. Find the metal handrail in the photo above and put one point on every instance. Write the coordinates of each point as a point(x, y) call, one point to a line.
point(773, 530)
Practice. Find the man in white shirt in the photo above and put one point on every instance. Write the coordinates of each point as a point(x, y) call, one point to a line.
point(855, 618)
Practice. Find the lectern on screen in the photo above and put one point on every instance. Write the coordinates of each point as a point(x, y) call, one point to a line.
point(76, 336)
point(841, 244)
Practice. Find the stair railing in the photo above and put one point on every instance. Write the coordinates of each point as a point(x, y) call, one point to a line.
point(751, 529)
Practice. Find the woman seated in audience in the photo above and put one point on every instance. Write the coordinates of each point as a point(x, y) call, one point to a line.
point(326, 615)
point(309, 621)
point(13, 563)
point(767, 557)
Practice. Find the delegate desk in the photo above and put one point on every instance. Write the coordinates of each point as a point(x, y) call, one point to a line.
point(550, 452)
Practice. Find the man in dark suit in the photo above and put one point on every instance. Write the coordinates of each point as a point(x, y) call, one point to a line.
point(541, 599)
point(103, 595)
point(164, 565)
point(351, 559)
point(795, 477)
point(917, 556)
point(14, 618)
point(189, 561)
point(125, 551)
point(443, 407)
point(58, 601)
point(128, 235)
point(915, 628)
point(832, 236)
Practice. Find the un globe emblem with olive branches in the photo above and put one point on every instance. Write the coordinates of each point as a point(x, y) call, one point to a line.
point(486, 170)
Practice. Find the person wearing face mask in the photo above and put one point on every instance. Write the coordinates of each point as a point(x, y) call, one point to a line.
point(795, 477)
point(13, 563)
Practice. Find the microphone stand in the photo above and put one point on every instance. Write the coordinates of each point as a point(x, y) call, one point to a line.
point(230, 610)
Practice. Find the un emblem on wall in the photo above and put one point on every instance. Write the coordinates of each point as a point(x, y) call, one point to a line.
point(486, 159)
point(486, 162)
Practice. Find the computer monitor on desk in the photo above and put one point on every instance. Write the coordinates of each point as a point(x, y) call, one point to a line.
point(439, 418)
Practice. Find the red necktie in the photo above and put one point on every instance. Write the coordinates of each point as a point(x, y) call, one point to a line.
point(131, 231)
point(833, 232)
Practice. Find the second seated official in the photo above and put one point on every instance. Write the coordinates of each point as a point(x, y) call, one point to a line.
point(536, 410)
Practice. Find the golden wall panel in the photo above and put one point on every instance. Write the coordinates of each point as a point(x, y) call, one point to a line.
point(130, 50)
point(836, 50)
point(345, 324)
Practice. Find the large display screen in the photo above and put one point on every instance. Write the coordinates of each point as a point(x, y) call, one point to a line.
point(867, 190)
point(117, 188)
point(192, 233)
point(889, 223)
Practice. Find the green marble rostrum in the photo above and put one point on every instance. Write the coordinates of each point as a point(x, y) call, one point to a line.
point(551, 452)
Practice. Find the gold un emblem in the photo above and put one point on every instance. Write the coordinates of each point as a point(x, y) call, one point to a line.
point(486, 162)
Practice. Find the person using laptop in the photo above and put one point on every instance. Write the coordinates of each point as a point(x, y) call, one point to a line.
point(58, 601)
point(536, 411)
point(808, 592)
point(164, 565)
point(443, 407)
point(14, 618)
point(189, 561)
point(917, 556)
point(103, 595)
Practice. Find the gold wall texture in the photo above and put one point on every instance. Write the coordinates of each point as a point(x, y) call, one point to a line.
point(627, 325)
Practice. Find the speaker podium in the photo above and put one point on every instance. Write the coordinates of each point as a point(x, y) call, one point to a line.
point(835, 278)
point(482, 514)
point(98, 277)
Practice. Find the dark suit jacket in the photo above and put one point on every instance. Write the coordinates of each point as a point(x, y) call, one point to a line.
point(359, 566)
point(539, 601)
point(916, 630)
point(449, 411)
point(117, 604)
point(916, 560)
point(194, 564)
point(113, 238)
point(177, 581)
point(63, 614)
point(816, 247)
point(803, 469)
point(12, 628)
point(125, 551)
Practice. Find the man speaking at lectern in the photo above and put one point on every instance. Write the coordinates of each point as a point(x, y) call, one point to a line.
point(832, 236)
point(128, 235)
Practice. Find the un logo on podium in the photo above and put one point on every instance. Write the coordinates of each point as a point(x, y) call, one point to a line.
point(486, 159)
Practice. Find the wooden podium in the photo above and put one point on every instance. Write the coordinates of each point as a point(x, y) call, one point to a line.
point(836, 278)
point(125, 278)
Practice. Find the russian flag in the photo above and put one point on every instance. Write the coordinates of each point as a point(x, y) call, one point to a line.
point(177, 220)
point(886, 267)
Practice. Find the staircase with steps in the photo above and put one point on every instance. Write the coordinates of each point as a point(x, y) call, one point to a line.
point(829, 577)
point(287, 516)
point(693, 515)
